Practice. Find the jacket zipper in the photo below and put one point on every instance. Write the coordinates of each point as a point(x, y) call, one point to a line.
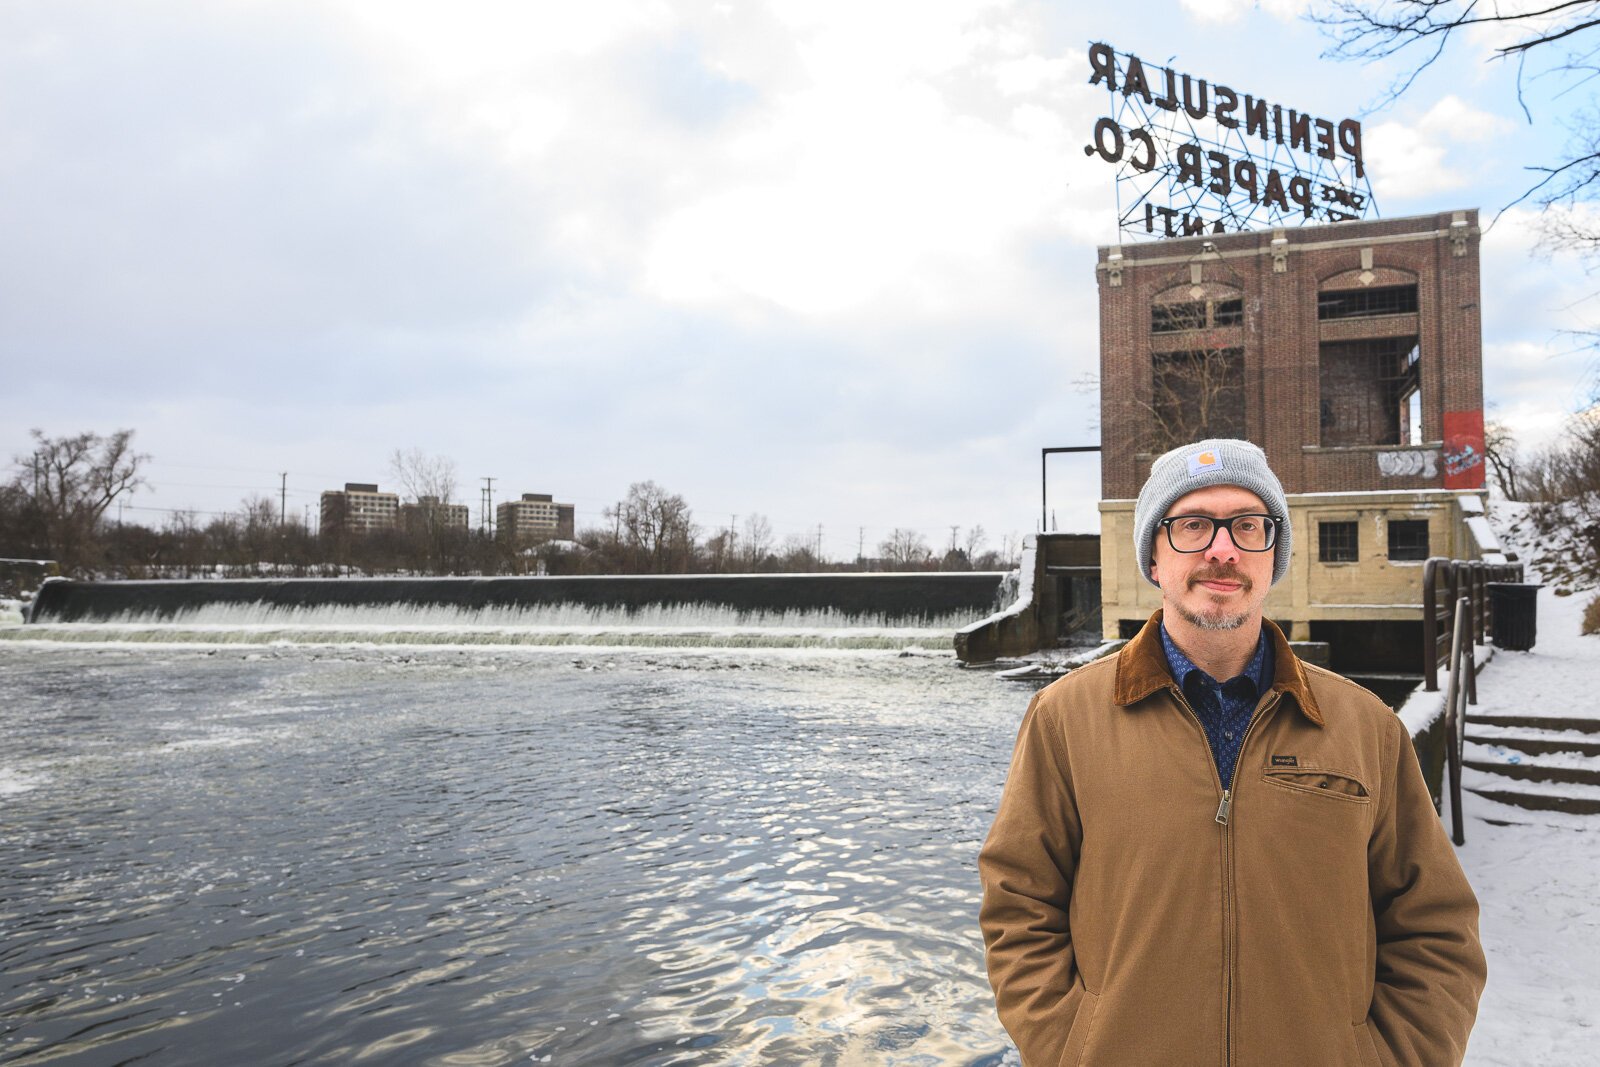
point(1224, 810)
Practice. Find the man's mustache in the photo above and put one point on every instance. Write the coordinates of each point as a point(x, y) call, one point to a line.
point(1221, 574)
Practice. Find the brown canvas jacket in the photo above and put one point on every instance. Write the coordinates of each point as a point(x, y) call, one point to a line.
point(1325, 922)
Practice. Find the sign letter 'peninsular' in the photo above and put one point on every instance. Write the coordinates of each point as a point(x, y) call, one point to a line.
point(1275, 185)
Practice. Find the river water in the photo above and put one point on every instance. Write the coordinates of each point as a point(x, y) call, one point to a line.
point(479, 854)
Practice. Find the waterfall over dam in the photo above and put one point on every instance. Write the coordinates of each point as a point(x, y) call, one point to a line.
point(872, 610)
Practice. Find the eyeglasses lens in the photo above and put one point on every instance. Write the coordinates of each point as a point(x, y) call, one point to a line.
point(1193, 533)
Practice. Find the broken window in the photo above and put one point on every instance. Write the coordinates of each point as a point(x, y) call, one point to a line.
point(1367, 303)
point(1195, 395)
point(1195, 315)
point(1367, 391)
point(1175, 318)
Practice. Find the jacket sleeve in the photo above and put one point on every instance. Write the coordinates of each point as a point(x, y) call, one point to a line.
point(1027, 866)
point(1430, 964)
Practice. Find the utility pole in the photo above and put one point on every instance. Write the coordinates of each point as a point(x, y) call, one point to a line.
point(861, 544)
point(818, 552)
point(485, 512)
point(953, 531)
point(283, 496)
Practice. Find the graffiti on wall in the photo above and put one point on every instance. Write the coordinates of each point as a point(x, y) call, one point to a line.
point(1463, 450)
point(1412, 463)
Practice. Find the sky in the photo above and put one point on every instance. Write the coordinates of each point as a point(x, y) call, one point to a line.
point(827, 262)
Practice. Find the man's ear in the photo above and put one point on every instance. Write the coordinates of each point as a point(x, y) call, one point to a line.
point(1155, 575)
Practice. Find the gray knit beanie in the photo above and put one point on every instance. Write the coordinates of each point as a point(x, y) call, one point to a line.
point(1218, 461)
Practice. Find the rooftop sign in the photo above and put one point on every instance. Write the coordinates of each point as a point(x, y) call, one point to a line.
point(1195, 157)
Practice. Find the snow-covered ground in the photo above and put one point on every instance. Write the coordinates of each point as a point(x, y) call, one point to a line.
point(1538, 882)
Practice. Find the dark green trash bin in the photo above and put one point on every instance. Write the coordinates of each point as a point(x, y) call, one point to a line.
point(1516, 618)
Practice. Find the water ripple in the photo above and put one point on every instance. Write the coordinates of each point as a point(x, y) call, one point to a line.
point(495, 858)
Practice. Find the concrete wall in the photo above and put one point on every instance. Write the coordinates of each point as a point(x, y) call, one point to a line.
point(1058, 572)
point(916, 594)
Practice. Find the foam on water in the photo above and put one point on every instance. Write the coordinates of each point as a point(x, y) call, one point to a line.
point(13, 782)
point(565, 624)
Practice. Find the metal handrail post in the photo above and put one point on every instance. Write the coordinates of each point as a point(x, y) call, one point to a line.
point(1454, 716)
point(1480, 592)
point(1430, 625)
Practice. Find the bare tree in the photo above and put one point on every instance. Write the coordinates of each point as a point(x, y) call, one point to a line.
point(798, 554)
point(1380, 29)
point(423, 476)
point(187, 544)
point(260, 533)
point(756, 543)
point(1196, 380)
point(975, 540)
point(719, 551)
point(70, 482)
point(1011, 550)
point(1500, 452)
point(1194, 395)
point(905, 548)
point(655, 529)
point(427, 536)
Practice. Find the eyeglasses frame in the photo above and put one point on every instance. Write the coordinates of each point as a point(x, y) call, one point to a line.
point(1223, 524)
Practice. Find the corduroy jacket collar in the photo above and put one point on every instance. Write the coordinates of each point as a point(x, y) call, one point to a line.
point(1142, 669)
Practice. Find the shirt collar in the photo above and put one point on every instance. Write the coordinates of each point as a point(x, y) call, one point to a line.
point(1142, 669)
point(1258, 672)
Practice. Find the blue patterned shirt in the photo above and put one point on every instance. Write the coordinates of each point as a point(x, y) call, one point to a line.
point(1224, 708)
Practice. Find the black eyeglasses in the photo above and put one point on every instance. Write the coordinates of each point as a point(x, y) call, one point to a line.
point(1195, 533)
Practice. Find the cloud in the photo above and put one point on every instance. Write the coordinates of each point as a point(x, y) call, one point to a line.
point(1537, 368)
point(1227, 11)
point(741, 249)
point(1432, 155)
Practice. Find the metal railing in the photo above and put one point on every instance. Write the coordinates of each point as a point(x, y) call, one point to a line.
point(1455, 709)
point(1445, 583)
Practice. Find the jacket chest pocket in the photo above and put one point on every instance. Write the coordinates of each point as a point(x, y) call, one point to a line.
point(1332, 785)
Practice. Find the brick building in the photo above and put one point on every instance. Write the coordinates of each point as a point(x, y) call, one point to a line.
point(1352, 355)
point(536, 517)
point(429, 513)
point(358, 509)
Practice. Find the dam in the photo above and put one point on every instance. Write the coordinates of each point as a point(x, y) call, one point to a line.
point(855, 610)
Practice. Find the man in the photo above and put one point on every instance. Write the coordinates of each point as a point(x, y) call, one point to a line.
point(1245, 873)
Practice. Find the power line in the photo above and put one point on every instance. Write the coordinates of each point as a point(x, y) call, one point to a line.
point(485, 515)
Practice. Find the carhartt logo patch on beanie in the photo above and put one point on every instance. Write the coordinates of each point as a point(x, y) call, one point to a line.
point(1218, 461)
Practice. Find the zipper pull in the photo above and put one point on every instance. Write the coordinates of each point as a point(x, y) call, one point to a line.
point(1222, 809)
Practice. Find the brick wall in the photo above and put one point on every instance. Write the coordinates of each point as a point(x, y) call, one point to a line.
point(1281, 337)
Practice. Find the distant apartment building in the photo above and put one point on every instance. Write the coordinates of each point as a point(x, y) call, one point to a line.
point(429, 513)
point(358, 509)
point(536, 517)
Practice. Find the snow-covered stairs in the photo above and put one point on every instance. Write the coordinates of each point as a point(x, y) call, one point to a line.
point(1534, 762)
